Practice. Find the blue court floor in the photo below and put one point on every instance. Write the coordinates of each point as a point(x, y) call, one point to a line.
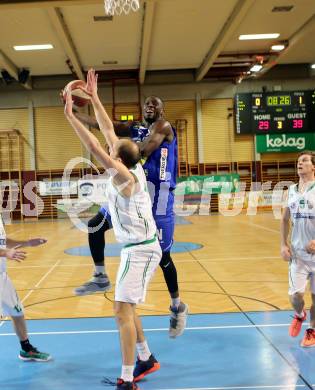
point(115, 248)
point(217, 351)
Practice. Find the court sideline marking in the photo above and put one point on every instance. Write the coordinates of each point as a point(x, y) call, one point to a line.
point(157, 329)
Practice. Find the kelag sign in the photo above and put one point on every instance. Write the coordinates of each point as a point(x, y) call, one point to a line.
point(266, 143)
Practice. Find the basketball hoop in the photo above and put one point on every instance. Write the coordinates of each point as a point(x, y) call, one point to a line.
point(118, 7)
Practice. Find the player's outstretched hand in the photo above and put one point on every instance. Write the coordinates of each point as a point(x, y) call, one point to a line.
point(91, 84)
point(15, 254)
point(36, 241)
point(286, 253)
point(310, 247)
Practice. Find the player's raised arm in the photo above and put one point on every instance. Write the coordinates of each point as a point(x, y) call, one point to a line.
point(160, 131)
point(105, 124)
point(122, 129)
point(122, 176)
point(86, 119)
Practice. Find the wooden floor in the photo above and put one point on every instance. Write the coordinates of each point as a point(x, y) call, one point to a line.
point(238, 269)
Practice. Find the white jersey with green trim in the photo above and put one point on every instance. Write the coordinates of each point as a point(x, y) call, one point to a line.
point(132, 217)
point(302, 211)
point(3, 245)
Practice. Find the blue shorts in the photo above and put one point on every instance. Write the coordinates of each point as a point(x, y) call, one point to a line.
point(103, 210)
point(165, 228)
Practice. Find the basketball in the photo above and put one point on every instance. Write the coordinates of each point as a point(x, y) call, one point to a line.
point(79, 97)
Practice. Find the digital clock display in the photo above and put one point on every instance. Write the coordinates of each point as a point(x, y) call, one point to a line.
point(281, 100)
point(275, 112)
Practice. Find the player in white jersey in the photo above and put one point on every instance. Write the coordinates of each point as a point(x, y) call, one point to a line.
point(300, 253)
point(10, 304)
point(133, 224)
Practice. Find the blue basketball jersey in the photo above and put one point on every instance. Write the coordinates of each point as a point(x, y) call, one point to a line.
point(139, 132)
point(161, 171)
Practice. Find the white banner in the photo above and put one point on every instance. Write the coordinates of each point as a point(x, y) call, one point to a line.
point(93, 190)
point(57, 188)
point(261, 200)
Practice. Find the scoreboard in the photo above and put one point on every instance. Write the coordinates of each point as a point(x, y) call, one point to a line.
point(275, 112)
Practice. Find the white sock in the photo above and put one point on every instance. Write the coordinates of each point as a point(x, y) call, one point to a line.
point(300, 315)
point(127, 373)
point(100, 269)
point(143, 350)
point(175, 302)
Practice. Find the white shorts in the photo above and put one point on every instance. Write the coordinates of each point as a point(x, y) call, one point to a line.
point(299, 273)
point(137, 266)
point(10, 301)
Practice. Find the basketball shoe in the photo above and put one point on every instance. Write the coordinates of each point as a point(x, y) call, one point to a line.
point(122, 385)
point(98, 283)
point(178, 319)
point(34, 355)
point(145, 367)
point(309, 338)
point(296, 324)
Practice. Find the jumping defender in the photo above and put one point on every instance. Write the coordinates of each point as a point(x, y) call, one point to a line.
point(130, 208)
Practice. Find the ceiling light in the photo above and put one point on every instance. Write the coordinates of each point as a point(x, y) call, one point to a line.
point(103, 18)
point(256, 68)
point(283, 8)
point(248, 37)
point(33, 47)
point(277, 47)
point(313, 66)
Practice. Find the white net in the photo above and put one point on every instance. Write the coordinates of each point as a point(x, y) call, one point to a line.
point(118, 7)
